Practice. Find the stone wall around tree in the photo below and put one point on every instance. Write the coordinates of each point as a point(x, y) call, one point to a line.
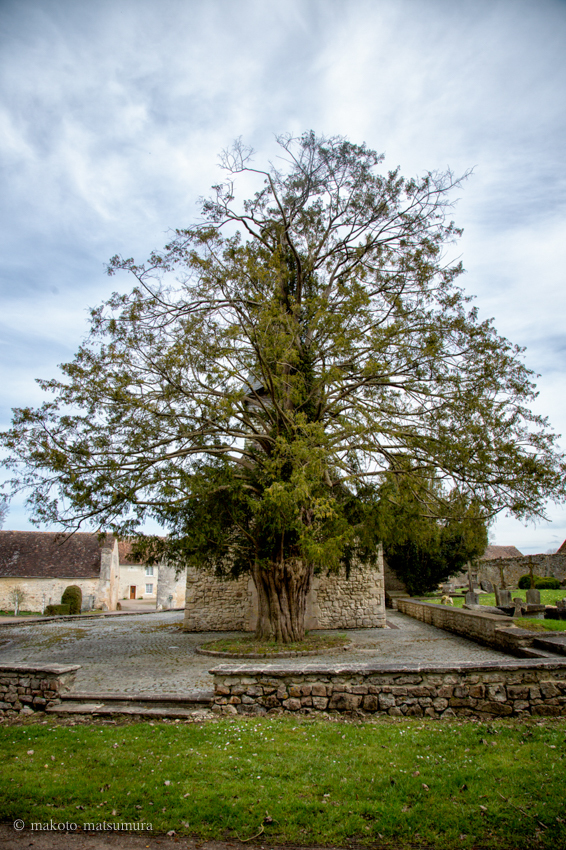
point(335, 601)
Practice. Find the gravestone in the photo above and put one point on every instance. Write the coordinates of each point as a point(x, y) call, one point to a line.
point(486, 585)
point(503, 597)
point(533, 596)
point(519, 606)
point(472, 598)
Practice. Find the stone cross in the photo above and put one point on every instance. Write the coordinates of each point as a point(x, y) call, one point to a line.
point(531, 572)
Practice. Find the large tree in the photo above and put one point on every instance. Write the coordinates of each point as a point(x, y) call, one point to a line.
point(272, 365)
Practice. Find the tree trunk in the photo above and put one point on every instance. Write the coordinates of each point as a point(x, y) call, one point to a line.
point(282, 591)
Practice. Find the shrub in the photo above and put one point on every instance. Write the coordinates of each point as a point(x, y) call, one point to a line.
point(53, 610)
point(73, 597)
point(541, 583)
point(525, 582)
point(547, 583)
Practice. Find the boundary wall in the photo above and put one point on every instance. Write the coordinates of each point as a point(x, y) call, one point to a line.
point(513, 568)
point(495, 630)
point(25, 688)
point(496, 689)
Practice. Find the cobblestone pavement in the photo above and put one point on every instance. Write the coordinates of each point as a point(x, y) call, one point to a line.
point(150, 653)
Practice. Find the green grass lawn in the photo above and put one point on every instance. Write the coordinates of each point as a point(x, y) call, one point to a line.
point(248, 645)
point(10, 613)
point(399, 784)
point(534, 625)
point(547, 597)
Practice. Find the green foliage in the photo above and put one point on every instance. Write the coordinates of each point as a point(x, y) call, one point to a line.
point(73, 597)
point(275, 364)
point(427, 536)
point(541, 582)
point(54, 610)
point(524, 582)
point(547, 583)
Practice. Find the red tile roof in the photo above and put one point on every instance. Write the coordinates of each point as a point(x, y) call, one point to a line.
point(493, 552)
point(46, 554)
point(562, 549)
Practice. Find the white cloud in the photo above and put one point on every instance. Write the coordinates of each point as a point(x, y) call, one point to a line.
point(112, 116)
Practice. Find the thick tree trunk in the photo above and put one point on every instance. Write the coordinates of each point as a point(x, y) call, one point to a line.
point(282, 591)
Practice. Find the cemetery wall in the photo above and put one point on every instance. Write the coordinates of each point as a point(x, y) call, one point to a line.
point(514, 568)
point(25, 688)
point(496, 689)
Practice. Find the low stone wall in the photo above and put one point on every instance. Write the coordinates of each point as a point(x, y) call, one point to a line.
point(25, 688)
point(475, 625)
point(516, 688)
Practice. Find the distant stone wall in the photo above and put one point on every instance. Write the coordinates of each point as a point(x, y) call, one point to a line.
point(48, 590)
point(392, 580)
point(514, 568)
point(334, 602)
point(25, 688)
point(495, 689)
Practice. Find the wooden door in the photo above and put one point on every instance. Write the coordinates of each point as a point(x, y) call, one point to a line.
point(132, 591)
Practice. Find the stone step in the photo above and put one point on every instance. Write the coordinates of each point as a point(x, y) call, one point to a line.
point(532, 652)
point(172, 706)
point(555, 643)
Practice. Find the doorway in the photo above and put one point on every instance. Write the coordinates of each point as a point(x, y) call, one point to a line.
point(132, 591)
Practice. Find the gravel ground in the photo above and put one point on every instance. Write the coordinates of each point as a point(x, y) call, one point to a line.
point(150, 654)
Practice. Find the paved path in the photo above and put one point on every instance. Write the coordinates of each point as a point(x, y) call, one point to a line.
point(150, 653)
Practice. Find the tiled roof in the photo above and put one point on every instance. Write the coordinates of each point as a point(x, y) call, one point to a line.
point(46, 554)
point(493, 552)
point(125, 553)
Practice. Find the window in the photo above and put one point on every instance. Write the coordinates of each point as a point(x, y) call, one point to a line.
point(149, 571)
point(149, 588)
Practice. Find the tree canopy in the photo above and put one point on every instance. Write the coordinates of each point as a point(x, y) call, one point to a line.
point(274, 366)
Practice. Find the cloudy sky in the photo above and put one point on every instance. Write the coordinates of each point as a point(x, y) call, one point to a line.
point(112, 113)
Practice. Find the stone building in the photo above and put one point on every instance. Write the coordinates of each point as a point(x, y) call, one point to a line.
point(42, 564)
point(158, 583)
point(334, 602)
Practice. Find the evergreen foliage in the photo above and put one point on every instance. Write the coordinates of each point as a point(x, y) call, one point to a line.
point(273, 367)
point(541, 582)
point(73, 597)
point(422, 547)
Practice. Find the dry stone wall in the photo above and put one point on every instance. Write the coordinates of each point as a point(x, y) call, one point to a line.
point(335, 601)
point(25, 688)
point(505, 689)
point(356, 602)
point(496, 630)
point(213, 604)
point(514, 568)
